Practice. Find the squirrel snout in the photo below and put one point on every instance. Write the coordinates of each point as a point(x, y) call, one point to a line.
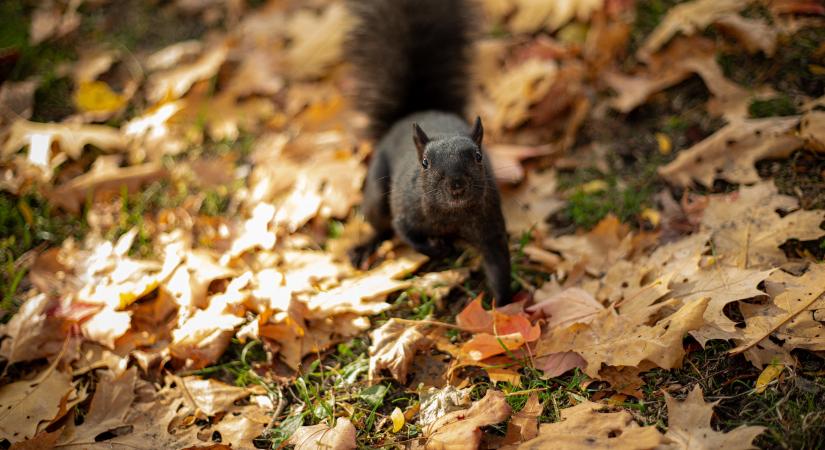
point(457, 186)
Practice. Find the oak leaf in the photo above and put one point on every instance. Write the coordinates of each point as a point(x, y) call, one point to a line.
point(689, 426)
point(394, 345)
point(27, 406)
point(460, 430)
point(321, 436)
point(590, 425)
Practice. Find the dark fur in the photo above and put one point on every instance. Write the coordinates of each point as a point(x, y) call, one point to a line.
point(411, 62)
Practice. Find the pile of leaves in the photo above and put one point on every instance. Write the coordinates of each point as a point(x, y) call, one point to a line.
point(208, 301)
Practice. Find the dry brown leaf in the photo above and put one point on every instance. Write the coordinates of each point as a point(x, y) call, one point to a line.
point(687, 18)
point(436, 403)
point(625, 339)
point(792, 328)
point(518, 89)
point(174, 83)
point(528, 206)
point(460, 430)
point(732, 152)
point(812, 130)
point(590, 425)
point(210, 396)
point(239, 428)
point(110, 406)
point(321, 436)
point(534, 15)
point(103, 180)
point(363, 294)
point(506, 159)
point(43, 440)
point(16, 100)
point(524, 425)
point(747, 231)
point(26, 405)
point(53, 20)
point(754, 34)
point(689, 426)
point(32, 333)
point(70, 137)
point(394, 345)
point(317, 40)
point(561, 309)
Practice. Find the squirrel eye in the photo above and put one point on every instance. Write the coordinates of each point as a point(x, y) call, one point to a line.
point(478, 156)
point(425, 163)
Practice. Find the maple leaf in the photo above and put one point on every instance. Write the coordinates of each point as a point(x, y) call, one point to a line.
point(732, 152)
point(313, 437)
point(689, 426)
point(747, 230)
point(26, 405)
point(210, 396)
point(590, 425)
point(394, 345)
point(496, 331)
point(459, 430)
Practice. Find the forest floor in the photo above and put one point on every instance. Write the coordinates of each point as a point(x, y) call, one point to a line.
point(258, 114)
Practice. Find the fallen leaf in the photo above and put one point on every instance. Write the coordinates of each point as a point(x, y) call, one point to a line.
point(436, 403)
point(754, 34)
point(174, 83)
point(397, 418)
point(812, 130)
point(210, 396)
point(572, 305)
point(590, 425)
point(97, 96)
point(528, 206)
point(321, 436)
point(524, 425)
point(770, 373)
point(51, 20)
point(687, 18)
point(394, 345)
point(689, 426)
point(32, 333)
point(460, 430)
point(70, 137)
point(110, 405)
point(317, 40)
point(17, 100)
point(27, 406)
point(747, 230)
point(518, 89)
point(732, 152)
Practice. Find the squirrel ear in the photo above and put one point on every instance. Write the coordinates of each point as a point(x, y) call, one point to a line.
point(478, 132)
point(420, 138)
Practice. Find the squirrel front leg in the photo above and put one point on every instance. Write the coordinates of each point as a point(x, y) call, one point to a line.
point(496, 253)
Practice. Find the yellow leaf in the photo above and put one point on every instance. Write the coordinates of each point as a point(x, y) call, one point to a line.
point(397, 420)
point(665, 146)
point(652, 216)
point(770, 373)
point(594, 186)
point(97, 96)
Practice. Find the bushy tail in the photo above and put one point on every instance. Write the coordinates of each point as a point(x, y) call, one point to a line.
point(409, 56)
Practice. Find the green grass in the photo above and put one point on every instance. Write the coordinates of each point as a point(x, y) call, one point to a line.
point(28, 222)
point(781, 105)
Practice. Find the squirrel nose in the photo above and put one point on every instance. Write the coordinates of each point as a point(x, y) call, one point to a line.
point(457, 185)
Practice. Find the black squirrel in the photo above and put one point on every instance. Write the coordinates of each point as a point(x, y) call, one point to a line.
point(429, 179)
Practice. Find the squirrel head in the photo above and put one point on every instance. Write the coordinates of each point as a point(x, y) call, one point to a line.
point(452, 168)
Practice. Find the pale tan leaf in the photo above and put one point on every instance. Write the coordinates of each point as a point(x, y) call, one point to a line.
point(72, 194)
point(529, 205)
point(812, 129)
point(51, 20)
point(732, 152)
point(322, 437)
point(591, 425)
point(210, 396)
point(687, 18)
point(32, 333)
point(754, 34)
point(524, 425)
point(689, 426)
point(110, 405)
point(518, 89)
point(70, 137)
point(747, 230)
point(26, 404)
point(317, 40)
point(459, 430)
point(394, 345)
point(573, 305)
point(175, 82)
